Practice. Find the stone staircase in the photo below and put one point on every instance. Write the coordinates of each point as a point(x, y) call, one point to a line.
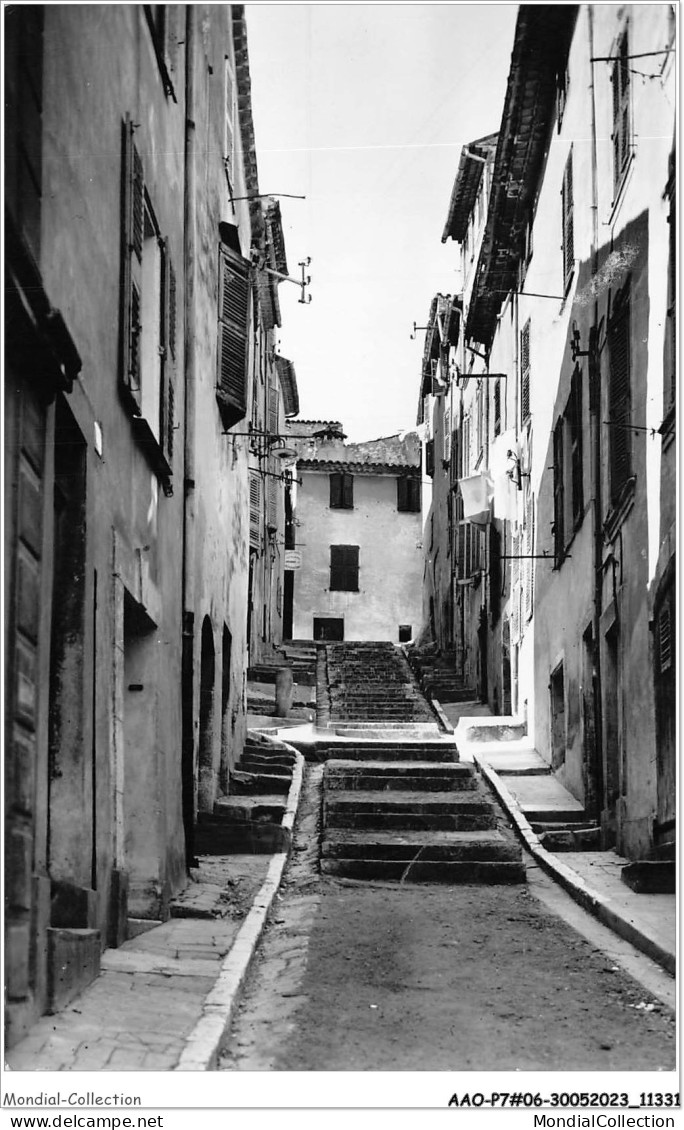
point(390, 814)
point(372, 682)
point(249, 820)
point(297, 655)
point(438, 676)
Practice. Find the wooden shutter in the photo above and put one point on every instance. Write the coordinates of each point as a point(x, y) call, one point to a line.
point(234, 289)
point(568, 223)
point(447, 434)
point(497, 407)
point(620, 396)
point(173, 34)
point(168, 345)
point(621, 111)
point(348, 491)
point(335, 490)
point(665, 643)
point(576, 447)
point(272, 502)
point(430, 457)
point(273, 410)
point(558, 492)
point(254, 510)
point(528, 573)
point(525, 372)
point(132, 223)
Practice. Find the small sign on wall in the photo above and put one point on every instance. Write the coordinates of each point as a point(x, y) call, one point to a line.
point(293, 559)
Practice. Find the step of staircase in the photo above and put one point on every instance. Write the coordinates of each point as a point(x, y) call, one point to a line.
point(435, 776)
point(393, 809)
point(387, 750)
point(426, 871)
point(485, 845)
point(413, 820)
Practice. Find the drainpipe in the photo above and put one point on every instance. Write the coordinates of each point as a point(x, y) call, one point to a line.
point(595, 432)
point(188, 581)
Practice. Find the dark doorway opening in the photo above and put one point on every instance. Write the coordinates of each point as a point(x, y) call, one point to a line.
point(207, 773)
point(328, 629)
point(557, 689)
point(288, 603)
point(70, 825)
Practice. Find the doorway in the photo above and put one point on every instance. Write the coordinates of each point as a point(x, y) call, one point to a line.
point(70, 824)
point(206, 790)
point(141, 757)
point(557, 690)
point(328, 629)
point(288, 603)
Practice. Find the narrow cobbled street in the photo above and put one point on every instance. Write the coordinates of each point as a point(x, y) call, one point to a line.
point(378, 976)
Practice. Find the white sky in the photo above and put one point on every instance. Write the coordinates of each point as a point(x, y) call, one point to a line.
point(363, 108)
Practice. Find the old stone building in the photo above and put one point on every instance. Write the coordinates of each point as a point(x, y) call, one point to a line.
point(141, 299)
point(357, 544)
point(559, 401)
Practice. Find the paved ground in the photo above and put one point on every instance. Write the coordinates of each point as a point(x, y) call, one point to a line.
point(373, 977)
point(139, 1013)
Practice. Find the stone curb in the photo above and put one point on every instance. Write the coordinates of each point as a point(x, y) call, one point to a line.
point(203, 1045)
point(444, 721)
point(573, 883)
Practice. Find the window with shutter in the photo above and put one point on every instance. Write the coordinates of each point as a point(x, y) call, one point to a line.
point(408, 494)
point(234, 289)
point(254, 510)
point(148, 317)
point(619, 394)
point(621, 112)
point(341, 491)
point(344, 568)
point(447, 434)
point(430, 458)
point(568, 223)
point(525, 372)
point(131, 268)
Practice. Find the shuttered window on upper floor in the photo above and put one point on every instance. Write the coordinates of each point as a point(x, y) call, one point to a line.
point(622, 122)
point(408, 494)
point(149, 316)
point(344, 568)
point(233, 343)
point(254, 510)
point(341, 491)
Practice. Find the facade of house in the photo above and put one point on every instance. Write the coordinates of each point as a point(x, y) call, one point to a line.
point(562, 438)
point(140, 317)
point(356, 537)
